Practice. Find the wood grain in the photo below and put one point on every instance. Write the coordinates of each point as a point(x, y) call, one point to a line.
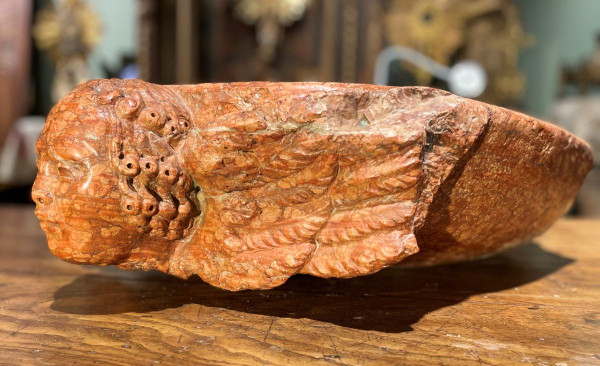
point(535, 304)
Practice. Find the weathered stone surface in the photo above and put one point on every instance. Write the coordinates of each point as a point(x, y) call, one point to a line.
point(246, 184)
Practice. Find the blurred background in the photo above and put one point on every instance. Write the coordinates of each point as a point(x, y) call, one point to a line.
point(541, 57)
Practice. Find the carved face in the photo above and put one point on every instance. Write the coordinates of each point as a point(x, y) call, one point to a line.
point(76, 192)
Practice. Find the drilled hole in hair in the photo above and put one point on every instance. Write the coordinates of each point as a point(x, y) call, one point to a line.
point(185, 124)
point(121, 156)
point(129, 165)
point(162, 158)
point(153, 115)
point(129, 207)
point(151, 208)
point(147, 165)
point(167, 173)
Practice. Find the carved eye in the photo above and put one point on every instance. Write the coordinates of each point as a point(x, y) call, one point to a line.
point(65, 173)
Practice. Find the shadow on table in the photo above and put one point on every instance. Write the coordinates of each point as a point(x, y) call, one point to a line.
point(388, 301)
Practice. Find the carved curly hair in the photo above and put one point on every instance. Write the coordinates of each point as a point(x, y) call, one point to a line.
point(149, 121)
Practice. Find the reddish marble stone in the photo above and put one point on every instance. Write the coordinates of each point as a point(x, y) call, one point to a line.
point(246, 184)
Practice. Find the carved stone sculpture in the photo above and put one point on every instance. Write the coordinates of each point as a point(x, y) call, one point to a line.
point(246, 184)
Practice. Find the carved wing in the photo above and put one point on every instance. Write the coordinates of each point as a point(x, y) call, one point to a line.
point(321, 181)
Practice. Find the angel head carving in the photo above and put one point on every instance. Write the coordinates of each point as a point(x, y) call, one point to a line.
point(332, 180)
point(109, 176)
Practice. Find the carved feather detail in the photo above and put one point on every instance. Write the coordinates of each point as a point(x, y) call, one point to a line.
point(352, 224)
point(286, 232)
point(362, 256)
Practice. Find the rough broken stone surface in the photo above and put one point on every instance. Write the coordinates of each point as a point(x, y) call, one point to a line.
point(246, 184)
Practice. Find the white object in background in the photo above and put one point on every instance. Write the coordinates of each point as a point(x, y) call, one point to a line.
point(466, 78)
point(17, 160)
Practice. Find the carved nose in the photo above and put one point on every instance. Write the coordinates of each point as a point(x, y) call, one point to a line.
point(41, 197)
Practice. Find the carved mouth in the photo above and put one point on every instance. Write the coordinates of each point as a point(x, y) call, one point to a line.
point(50, 227)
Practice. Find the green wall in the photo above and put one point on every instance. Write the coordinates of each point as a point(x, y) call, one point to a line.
point(565, 33)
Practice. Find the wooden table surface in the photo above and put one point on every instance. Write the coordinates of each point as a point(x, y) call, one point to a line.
point(538, 303)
